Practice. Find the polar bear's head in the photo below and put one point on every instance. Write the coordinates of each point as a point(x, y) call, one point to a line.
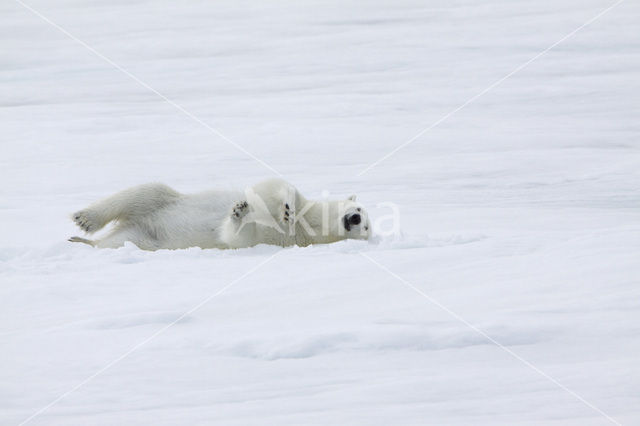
point(354, 219)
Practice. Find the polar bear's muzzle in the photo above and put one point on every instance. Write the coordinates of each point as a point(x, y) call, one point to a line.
point(351, 219)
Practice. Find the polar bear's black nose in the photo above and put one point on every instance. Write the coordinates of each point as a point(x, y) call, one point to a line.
point(354, 219)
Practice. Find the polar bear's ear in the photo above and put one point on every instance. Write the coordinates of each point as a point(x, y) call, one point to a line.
point(352, 197)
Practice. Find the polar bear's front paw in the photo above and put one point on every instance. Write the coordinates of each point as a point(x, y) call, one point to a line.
point(288, 215)
point(87, 220)
point(240, 209)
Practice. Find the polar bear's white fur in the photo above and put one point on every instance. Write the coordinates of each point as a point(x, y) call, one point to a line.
point(154, 216)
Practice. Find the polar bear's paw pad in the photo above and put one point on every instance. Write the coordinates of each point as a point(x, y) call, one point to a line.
point(240, 209)
point(87, 220)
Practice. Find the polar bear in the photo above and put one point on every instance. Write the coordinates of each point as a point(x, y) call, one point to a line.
point(154, 216)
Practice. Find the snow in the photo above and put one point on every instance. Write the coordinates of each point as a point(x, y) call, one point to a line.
point(519, 213)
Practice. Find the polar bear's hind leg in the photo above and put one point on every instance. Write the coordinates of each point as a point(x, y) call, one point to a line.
point(89, 220)
point(131, 203)
point(82, 240)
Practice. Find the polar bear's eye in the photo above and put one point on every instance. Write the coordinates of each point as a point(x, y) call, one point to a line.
point(359, 209)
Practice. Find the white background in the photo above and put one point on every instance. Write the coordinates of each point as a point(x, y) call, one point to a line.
point(519, 212)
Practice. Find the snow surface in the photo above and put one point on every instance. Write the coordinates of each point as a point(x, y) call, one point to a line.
point(519, 213)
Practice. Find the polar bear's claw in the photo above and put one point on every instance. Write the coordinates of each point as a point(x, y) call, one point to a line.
point(288, 214)
point(240, 209)
point(87, 221)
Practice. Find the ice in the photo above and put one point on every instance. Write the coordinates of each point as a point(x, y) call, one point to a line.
point(519, 213)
